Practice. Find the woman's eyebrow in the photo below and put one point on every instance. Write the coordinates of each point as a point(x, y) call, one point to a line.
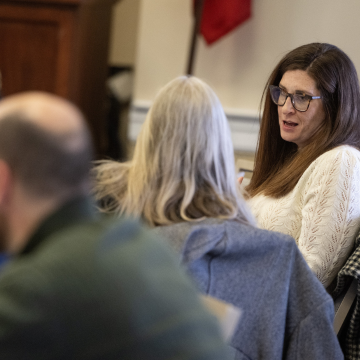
point(297, 91)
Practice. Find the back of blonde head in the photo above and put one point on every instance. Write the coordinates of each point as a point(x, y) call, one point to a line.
point(183, 164)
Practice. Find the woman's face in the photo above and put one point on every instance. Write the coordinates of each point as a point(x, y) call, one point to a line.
point(296, 126)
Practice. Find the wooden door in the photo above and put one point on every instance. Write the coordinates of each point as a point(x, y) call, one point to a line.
point(36, 48)
point(59, 46)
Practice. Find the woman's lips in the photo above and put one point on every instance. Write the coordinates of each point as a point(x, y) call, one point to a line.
point(288, 126)
point(289, 123)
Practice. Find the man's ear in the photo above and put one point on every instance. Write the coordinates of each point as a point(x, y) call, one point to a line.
point(5, 181)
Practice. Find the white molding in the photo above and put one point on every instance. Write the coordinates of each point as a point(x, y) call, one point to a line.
point(244, 125)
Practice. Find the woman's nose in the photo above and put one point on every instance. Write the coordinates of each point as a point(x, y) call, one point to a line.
point(288, 106)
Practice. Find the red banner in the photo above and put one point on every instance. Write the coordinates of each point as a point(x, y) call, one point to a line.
point(221, 16)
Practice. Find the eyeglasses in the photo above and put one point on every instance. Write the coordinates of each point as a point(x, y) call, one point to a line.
point(300, 101)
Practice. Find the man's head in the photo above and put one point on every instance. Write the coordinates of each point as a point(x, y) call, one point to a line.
point(45, 153)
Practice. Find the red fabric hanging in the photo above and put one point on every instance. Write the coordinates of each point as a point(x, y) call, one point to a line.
point(221, 16)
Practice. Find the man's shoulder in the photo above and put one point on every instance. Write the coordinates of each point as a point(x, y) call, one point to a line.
point(77, 248)
point(111, 275)
point(89, 260)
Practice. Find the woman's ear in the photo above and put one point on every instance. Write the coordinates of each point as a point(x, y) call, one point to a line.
point(5, 181)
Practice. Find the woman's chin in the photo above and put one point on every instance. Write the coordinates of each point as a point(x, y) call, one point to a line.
point(288, 137)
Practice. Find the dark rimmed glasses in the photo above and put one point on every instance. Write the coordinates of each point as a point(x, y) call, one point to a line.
point(300, 101)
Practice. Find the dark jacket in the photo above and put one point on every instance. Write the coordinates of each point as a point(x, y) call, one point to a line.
point(91, 288)
point(350, 332)
point(287, 313)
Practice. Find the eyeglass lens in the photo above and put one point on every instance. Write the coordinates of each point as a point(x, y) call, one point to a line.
point(279, 96)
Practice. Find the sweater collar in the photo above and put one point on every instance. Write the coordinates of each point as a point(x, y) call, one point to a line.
point(74, 211)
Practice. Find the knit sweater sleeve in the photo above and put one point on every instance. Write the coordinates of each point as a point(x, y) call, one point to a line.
point(330, 211)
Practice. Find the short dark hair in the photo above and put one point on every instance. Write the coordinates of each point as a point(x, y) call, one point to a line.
point(278, 164)
point(47, 164)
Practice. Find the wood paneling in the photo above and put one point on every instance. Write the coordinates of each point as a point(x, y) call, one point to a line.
point(60, 46)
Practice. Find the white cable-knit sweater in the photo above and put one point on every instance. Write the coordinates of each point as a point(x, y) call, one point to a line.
point(322, 212)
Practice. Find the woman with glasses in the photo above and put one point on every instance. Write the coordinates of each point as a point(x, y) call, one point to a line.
point(306, 180)
point(182, 182)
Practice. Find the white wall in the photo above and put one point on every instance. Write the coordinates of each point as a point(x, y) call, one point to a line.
point(124, 32)
point(238, 65)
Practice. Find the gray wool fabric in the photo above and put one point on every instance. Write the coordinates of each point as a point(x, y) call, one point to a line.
point(286, 312)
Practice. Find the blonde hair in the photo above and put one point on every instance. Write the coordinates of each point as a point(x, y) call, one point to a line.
point(183, 164)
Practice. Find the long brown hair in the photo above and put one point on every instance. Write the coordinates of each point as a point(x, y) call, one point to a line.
point(278, 163)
